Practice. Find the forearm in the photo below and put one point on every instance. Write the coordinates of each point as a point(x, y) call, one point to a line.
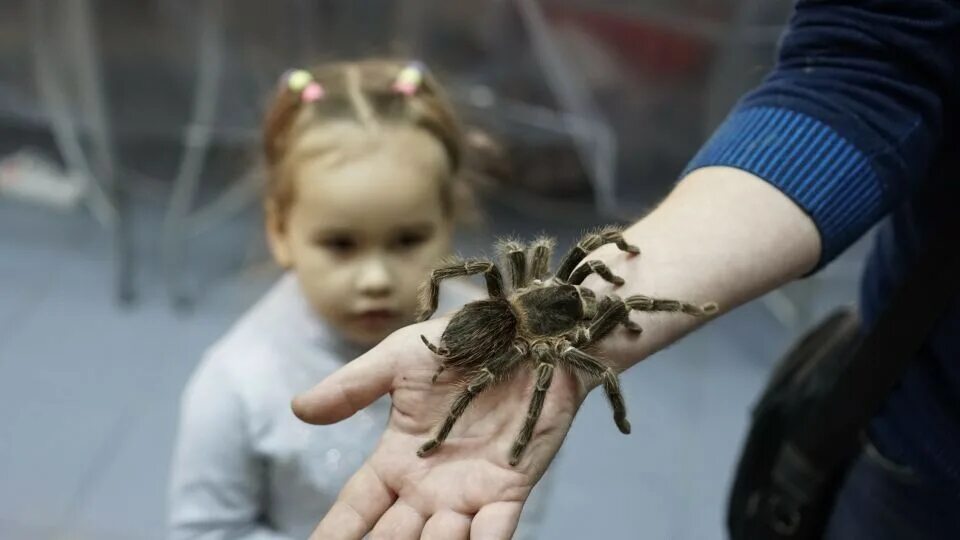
point(722, 235)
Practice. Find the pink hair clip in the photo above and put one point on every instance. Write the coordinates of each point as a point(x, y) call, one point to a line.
point(409, 79)
point(312, 92)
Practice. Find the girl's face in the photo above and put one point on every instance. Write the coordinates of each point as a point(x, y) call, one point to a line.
point(366, 225)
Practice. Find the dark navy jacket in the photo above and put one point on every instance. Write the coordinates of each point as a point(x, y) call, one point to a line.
point(858, 117)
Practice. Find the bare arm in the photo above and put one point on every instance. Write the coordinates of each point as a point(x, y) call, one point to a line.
point(722, 235)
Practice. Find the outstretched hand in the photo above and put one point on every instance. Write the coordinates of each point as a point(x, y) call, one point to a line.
point(467, 487)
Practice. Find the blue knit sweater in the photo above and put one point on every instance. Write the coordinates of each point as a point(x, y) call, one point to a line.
point(859, 114)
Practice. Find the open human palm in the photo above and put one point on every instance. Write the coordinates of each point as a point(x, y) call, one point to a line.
point(467, 488)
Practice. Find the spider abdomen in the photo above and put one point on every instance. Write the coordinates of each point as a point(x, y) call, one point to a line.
point(480, 331)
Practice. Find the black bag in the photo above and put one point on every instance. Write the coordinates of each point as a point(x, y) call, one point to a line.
point(800, 380)
point(807, 425)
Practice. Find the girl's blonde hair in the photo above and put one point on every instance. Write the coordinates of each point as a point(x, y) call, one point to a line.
point(362, 91)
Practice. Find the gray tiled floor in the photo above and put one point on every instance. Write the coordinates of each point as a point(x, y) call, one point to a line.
point(88, 398)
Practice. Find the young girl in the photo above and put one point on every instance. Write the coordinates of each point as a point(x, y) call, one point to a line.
point(363, 190)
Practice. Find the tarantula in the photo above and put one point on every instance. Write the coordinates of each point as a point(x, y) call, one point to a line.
point(541, 321)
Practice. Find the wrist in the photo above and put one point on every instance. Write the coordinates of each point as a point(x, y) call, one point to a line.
point(653, 273)
point(724, 236)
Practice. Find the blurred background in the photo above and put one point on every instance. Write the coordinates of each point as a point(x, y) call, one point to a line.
point(131, 233)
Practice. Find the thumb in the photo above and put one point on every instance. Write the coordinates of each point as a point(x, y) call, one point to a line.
point(347, 390)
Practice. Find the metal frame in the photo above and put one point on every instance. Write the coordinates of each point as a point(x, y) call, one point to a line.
point(197, 137)
point(104, 196)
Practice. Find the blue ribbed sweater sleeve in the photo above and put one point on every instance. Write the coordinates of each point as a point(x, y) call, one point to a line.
point(851, 117)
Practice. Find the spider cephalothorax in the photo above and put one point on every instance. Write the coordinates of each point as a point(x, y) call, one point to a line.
point(539, 322)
